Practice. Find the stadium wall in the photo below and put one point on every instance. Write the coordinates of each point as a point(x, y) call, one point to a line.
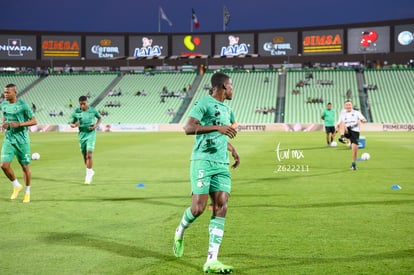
point(274, 127)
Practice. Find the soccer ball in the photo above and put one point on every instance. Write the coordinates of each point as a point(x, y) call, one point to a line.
point(35, 156)
point(334, 144)
point(365, 156)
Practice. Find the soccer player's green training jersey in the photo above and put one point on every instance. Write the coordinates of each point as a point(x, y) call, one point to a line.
point(329, 117)
point(18, 112)
point(86, 118)
point(211, 146)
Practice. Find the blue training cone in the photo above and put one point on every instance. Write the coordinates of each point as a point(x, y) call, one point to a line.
point(396, 187)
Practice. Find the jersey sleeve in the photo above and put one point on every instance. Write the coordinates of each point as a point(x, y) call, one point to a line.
point(28, 114)
point(361, 116)
point(197, 111)
point(97, 114)
point(73, 118)
point(232, 118)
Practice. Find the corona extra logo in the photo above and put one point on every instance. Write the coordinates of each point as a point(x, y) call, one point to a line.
point(278, 39)
point(105, 42)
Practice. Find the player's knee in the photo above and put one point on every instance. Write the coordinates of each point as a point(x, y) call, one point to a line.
point(220, 209)
point(197, 210)
point(88, 155)
point(5, 165)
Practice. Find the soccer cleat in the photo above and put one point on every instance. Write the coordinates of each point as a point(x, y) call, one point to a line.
point(353, 167)
point(26, 198)
point(16, 191)
point(88, 178)
point(342, 140)
point(217, 267)
point(178, 247)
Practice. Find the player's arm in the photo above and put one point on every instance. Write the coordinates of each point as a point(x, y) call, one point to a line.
point(362, 118)
point(193, 127)
point(15, 124)
point(74, 123)
point(96, 125)
point(4, 124)
point(234, 154)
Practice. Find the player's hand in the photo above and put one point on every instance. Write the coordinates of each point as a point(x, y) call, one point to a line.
point(5, 125)
point(14, 124)
point(228, 131)
point(92, 127)
point(236, 158)
point(74, 125)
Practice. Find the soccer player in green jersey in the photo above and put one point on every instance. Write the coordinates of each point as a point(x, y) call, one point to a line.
point(211, 121)
point(328, 117)
point(17, 116)
point(87, 118)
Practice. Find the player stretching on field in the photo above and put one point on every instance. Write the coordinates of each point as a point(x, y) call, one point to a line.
point(17, 115)
point(349, 128)
point(328, 116)
point(87, 118)
point(210, 120)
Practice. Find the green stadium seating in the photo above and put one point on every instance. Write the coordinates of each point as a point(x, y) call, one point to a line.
point(296, 108)
point(392, 101)
point(54, 92)
point(146, 109)
point(250, 92)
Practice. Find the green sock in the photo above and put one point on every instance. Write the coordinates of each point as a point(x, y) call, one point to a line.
point(216, 229)
point(185, 222)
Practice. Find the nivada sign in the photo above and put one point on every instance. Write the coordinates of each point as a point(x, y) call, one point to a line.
point(322, 42)
point(17, 47)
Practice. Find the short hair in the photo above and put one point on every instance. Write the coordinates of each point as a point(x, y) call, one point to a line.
point(329, 103)
point(83, 98)
point(11, 85)
point(218, 79)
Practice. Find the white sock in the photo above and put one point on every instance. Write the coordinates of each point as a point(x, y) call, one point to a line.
point(27, 189)
point(213, 253)
point(15, 183)
point(89, 171)
point(179, 232)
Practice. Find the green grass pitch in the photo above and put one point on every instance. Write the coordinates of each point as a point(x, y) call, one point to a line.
point(305, 212)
